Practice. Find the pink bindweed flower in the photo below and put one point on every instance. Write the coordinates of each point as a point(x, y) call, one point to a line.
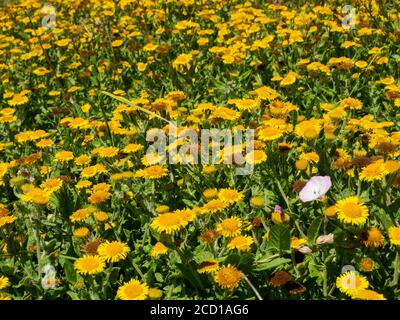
point(315, 188)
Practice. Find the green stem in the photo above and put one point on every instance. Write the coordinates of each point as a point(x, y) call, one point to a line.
point(396, 270)
point(290, 210)
point(252, 287)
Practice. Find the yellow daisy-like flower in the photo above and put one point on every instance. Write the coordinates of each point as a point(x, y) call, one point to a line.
point(154, 293)
point(4, 282)
point(256, 157)
point(152, 172)
point(113, 251)
point(373, 237)
point(52, 185)
point(100, 216)
point(350, 281)
point(228, 277)
point(45, 143)
point(374, 171)
point(89, 265)
point(162, 208)
point(257, 201)
point(4, 297)
point(366, 265)
point(351, 103)
point(366, 294)
point(158, 249)
point(352, 210)
point(230, 227)
point(296, 243)
point(394, 235)
point(132, 148)
point(213, 206)
point(241, 243)
point(230, 195)
point(81, 232)
point(105, 152)
point(133, 290)
point(82, 160)
point(37, 196)
point(208, 266)
point(269, 134)
point(83, 184)
point(210, 193)
point(80, 215)
point(17, 100)
point(279, 218)
point(64, 156)
point(168, 223)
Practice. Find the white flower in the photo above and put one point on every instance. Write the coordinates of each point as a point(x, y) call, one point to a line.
point(315, 188)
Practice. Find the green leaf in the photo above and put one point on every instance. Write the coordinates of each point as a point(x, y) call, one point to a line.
point(159, 277)
point(69, 271)
point(384, 218)
point(272, 264)
point(279, 238)
point(73, 295)
point(313, 230)
point(246, 262)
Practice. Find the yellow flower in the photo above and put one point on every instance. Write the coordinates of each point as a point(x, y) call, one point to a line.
point(228, 277)
point(352, 210)
point(394, 235)
point(64, 156)
point(373, 171)
point(17, 100)
point(153, 172)
point(80, 214)
point(51, 185)
point(37, 196)
point(158, 249)
point(241, 243)
point(230, 195)
point(256, 157)
point(45, 143)
point(373, 237)
point(257, 201)
point(4, 282)
point(81, 232)
point(366, 265)
point(230, 227)
point(210, 193)
point(89, 265)
point(105, 152)
point(208, 266)
point(133, 290)
point(213, 206)
point(279, 218)
point(351, 103)
point(117, 43)
point(350, 282)
point(296, 243)
point(113, 251)
point(289, 79)
point(366, 294)
point(168, 223)
point(154, 293)
point(100, 216)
